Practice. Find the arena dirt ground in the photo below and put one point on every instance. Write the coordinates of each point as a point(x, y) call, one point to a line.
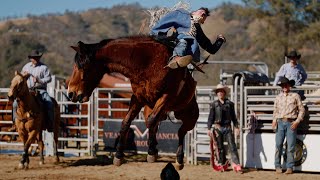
point(136, 168)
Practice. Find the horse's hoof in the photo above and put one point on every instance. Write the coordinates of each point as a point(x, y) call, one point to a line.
point(21, 166)
point(117, 161)
point(152, 158)
point(178, 166)
point(41, 163)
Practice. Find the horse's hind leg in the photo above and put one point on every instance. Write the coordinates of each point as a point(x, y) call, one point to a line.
point(153, 122)
point(134, 110)
point(189, 117)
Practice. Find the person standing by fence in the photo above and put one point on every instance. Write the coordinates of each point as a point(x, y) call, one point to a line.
point(288, 113)
point(293, 71)
point(222, 113)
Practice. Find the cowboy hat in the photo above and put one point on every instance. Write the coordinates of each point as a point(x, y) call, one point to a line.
point(35, 53)
point(223, 87)
point(293, 54)
point(284, 80)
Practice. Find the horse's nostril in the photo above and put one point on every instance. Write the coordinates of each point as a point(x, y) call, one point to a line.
point(70, 95)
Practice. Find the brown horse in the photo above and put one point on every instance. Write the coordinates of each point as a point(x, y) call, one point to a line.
point(31, 117)
point(142, 60)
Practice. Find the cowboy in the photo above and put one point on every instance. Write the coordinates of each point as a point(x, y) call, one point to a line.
point(293, 71)
point(187, 28)
point(222, 113)
point(39, 75)
point(288, 113)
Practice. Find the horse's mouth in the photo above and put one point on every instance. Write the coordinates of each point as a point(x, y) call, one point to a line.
point(11, 98)
point(84, 99)
point(81, 98)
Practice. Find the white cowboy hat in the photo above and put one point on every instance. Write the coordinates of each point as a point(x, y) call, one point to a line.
point(223, 87)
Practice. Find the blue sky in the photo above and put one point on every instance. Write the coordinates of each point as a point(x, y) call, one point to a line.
point(36, 7)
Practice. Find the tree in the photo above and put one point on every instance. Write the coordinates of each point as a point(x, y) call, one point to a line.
point(282, 22)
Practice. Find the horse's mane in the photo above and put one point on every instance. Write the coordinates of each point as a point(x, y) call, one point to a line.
point(90, 49)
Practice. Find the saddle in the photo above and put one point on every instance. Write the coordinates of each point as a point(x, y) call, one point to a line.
point(168, 38)
point(46, 124)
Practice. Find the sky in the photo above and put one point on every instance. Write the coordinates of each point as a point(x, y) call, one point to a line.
point(20, 8)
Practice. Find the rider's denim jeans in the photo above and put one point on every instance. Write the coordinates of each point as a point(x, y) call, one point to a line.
point(46, 99)
point(284, 131)
point(181, 48)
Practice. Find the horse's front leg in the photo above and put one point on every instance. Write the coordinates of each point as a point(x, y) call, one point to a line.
point(134, 110)
point(24, 163)
point(155, 117)
point(189, 117)
point(23, 134)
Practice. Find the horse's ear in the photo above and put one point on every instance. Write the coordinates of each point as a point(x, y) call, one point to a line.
point(25, 75)
point(76, 48)
point(17, 73)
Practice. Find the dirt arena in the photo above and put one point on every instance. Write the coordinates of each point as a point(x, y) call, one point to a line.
point(135, 168)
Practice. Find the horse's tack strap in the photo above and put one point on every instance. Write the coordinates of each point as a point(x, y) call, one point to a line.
point(23, 119)
point(181, 84)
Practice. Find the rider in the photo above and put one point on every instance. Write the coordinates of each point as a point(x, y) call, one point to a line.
point(39, 76)
point(222, 113)
point(187, 28)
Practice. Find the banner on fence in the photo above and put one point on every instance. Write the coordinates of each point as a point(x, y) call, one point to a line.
point(137, 140)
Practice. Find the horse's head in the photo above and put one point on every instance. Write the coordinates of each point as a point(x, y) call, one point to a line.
point(87, 73)
point(18, 86)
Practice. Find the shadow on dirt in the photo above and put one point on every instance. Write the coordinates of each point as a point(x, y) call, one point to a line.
point(103, 160)
point(96, 161)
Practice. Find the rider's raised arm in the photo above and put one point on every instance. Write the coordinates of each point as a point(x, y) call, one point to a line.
point(205, 42)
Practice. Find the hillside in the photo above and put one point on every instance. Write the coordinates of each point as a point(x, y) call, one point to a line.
point(54, 33)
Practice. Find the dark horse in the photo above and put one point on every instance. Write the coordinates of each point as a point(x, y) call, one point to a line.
point(142, 60)
point(31, 117)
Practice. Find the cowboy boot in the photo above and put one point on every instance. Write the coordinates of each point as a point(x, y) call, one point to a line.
point(289, 171)
point(179, 61)
point(237, 168)
point(218, 167)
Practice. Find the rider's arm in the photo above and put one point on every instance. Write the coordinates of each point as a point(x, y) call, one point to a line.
point(205, 42)
point(233, 116)
point(211, 116)
point(281, 72)
point(303, 74)
point(46, 76)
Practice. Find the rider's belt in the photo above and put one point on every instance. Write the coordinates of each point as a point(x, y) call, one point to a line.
point(288, 119)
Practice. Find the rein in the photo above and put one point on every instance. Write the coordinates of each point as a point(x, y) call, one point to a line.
point(200, 65)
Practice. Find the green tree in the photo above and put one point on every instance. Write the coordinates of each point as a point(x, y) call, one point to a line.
point(283, 24)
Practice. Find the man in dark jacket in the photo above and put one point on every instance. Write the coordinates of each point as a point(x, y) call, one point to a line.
point(221, 115)
point(189, 33)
